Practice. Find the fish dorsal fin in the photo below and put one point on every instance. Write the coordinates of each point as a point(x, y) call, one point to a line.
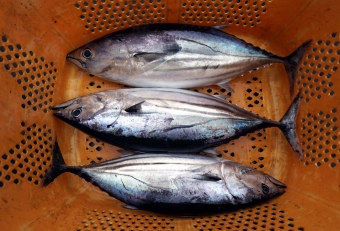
point(150, 57)
point(209, 172)
point(220, 27)
point(133, 103)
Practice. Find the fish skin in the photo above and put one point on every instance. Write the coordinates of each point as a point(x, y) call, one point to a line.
point(167, 120)
point(189, 56)
point(146, 181)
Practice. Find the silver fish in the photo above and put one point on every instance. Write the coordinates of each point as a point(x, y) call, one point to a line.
point(151, 181)
point(176, 56)
point(167, 120)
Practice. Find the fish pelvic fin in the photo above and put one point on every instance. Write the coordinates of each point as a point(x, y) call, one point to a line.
point(131, 207)
point(211, 151)
point(288, 126)
point(292, 61)
point(58, 166)
point(226, 86)
point(223, 97)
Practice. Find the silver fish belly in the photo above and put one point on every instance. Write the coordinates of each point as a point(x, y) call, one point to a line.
point(189, 56)
point(149, 180)
point(167, 120)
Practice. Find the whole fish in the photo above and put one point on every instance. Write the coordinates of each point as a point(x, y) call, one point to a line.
point(167, 120)
point(177, 56)
point(158, 181)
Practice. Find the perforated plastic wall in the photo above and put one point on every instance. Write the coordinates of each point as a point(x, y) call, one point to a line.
point(35, 37)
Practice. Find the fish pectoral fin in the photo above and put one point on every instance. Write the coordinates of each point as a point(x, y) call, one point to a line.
point(212, 176)
point(134, 108)
point(133, 103)
point(211, 151)
point(210, 172)
point(131, 207)
point(150, 57)
point(206, 177)
point(226, 86)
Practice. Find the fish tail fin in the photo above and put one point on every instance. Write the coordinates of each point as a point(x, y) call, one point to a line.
point(58, 166)
point(292, 62)
point(288, 126)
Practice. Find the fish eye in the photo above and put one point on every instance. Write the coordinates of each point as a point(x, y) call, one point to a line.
point(76, 112)
point(265, 188)
point(87, 53)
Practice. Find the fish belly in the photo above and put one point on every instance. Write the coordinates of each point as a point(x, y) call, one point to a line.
point(143, 188)
point(177, 135)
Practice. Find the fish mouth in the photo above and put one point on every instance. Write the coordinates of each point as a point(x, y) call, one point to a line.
point(76, 61)
point(64, 105)
point(60, 107)
point(277, 183)
point(58, 114)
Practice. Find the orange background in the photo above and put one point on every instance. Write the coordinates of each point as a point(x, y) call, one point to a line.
point(35, 37)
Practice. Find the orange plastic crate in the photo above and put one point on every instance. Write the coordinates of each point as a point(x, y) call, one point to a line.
point(35, 37)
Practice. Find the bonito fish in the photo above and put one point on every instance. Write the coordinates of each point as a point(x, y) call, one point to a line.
point(159, 181)
point(176, 56)
point(167, 120)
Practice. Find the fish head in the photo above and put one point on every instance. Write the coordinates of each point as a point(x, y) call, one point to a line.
point(260, 185)
point(247, 184)
point(96, 111)
point(108, 58)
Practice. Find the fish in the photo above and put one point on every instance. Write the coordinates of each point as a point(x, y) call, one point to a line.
point(177, 56)
point(151, 181)
point(168, 120)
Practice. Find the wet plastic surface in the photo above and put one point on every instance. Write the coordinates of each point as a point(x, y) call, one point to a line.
point(35, 37)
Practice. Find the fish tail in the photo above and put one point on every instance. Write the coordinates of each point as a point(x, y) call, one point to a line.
point(292, 62)
point(288, 126)
point(58, 166)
